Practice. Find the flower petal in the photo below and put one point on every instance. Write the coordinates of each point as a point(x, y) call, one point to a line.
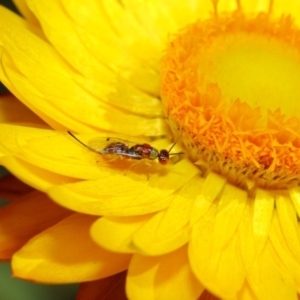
point(254, 6)
point(24, 218)
point(268, 277)
point(14, 111)
point(281, 7)
point(121, 195)
point(65, 157)
point(280, 244)
point(105, 51)
point(230, 212)
point(11, 188)
point(169, 229)
point(98, 40)
point(246, 293)
point(262, 217)
point(34, 176)
point(27, 59)
point(211, 187)
point(158, 20)
point(26, 12)
point(295, 196)
point(109, 288)
point(208, 296)
point(43, 81)
point(221, 271)
point(65, 253)
point(246, 238)
point(162, 277)
point(115, 233)
point(289, 223)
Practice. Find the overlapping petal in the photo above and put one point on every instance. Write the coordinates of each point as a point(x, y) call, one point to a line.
point(13, 111)
point(24, 218)
point(100, 76)
point(65, 253)
point(49, 86)
point(11, 188)
point(167, 276)
point(105, 289)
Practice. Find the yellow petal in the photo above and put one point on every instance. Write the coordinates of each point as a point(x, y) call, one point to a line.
point(43, 116)
point(101, 54)
point(51, 150)
point(115, 233)
point(121, 195)
point(268, 277)
point(289, 223)
point(26, 12)
point(111, 196)
point(246, 293)
point(220, 271)
point(26, 60)
point(34, 176)
point(211, 187)
point(295, 196)
point(281, 7)
point(94, 38)
point(24, 218)
point(262, 217)
point(230, 211)
point(43, 81)
point(163, 277)
point(254, 6)
point(167, 230)
point(246, 237)
point(65, 253)
point(226, 5)
point(158, 20)
point(281, 247)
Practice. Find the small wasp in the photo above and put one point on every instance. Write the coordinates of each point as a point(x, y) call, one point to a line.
point(127, 149)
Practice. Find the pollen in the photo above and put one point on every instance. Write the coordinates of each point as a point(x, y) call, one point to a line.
point(230, 89)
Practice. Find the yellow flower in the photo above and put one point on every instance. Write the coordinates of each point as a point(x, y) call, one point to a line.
point(223, 76)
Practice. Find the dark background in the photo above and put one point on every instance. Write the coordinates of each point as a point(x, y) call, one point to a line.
point(15, 289)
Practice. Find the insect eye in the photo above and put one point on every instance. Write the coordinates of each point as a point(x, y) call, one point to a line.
point(163, 157)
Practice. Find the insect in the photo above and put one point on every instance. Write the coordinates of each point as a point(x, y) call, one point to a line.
point(127, 149)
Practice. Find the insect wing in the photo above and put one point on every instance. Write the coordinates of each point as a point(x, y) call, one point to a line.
point(110, 145)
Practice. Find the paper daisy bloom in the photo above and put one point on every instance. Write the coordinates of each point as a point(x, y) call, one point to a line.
point(216, 81)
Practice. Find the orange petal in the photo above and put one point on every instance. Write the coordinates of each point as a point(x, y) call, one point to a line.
point(109, 288)
point(65, 253)
point(207, 296)
point(24, 218)
point(162, 277)
point(12, 188)
point(14, 111)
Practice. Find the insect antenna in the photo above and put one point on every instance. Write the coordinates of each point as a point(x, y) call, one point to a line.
point(79, 141)
point(176, 152)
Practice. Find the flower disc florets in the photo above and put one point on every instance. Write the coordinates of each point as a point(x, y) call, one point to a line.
point(230, 88)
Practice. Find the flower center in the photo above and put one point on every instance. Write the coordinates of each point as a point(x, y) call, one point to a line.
point(230, 88)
